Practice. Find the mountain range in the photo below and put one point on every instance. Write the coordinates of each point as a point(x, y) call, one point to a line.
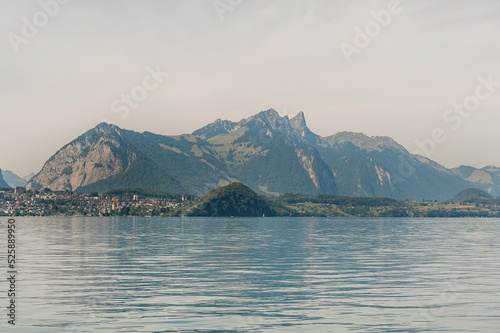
point(269, 153)
point(14, 180)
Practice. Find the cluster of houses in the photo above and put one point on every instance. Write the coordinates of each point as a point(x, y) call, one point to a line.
point(20, 202)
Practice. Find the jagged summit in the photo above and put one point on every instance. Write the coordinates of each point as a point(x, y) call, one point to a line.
point(271, 118)
point(270, 113)
point(218, 127)
point(300, 126)
point(299, 121)
point(105, 127)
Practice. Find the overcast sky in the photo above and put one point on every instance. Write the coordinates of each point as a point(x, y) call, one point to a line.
point(232, 62)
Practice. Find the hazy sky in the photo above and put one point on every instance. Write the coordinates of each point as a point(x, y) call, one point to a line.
point(243, 57)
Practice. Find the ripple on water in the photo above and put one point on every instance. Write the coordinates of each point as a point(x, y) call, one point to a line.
point(258, 275)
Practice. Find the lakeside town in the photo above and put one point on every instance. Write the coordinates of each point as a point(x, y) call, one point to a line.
point(142, 202)
point(22, 202)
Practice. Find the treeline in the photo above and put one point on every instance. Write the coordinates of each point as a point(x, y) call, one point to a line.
point(147, 193)
point(456, 213)
point(290, 198)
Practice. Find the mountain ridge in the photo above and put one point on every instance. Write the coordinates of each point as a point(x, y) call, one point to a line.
point(269, 153)
point(13, 180)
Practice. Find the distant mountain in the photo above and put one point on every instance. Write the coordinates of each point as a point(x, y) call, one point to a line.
point(107, 158)
point(28, 177)
point(235, 200)
point(98, 154)
point(471, 194)
point(12, 179)
point(269, 153)
point(3, 183)
point(379, 167)
point(492, 169)
point(486, 179)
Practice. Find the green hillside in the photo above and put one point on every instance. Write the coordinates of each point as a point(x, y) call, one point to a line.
point(471, 194)
point(236, 200)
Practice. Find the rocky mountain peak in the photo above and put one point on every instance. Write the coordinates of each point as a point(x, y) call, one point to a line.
point(300, 126)
point(95, 155)
point(219, 126)
point(272, 121)
point(271, 116)
point(492, 169)
point(105, 127)
point(299, 121)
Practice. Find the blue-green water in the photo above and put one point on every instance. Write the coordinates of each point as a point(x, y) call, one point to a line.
point(255, 275)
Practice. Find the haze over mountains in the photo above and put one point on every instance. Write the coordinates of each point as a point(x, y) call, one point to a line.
point(269, 153)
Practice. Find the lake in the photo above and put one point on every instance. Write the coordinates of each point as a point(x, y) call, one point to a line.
point(122, 274)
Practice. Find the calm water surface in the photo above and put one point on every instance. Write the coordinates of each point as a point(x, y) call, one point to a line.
point(255, 275)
